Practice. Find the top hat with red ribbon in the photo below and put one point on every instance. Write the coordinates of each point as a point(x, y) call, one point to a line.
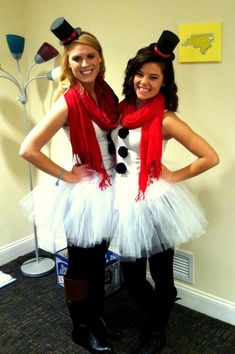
point(64, 31)
point(165, 45)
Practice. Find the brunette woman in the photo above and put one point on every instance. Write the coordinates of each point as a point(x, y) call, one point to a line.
point(156, 211)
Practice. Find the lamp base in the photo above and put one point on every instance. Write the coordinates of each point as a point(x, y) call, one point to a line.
point(38, 267)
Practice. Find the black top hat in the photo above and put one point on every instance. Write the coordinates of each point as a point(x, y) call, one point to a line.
point(64, 31)
point(165, 45)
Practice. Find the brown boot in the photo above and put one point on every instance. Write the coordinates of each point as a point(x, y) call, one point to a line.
point(82, 334)
point(85, 337)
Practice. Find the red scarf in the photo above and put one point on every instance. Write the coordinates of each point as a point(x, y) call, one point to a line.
point(82, 110)
point(149, 117)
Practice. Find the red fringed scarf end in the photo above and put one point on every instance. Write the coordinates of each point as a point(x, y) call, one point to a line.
point(105, 180)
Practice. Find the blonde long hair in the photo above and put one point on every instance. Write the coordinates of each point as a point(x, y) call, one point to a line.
point(67, 78)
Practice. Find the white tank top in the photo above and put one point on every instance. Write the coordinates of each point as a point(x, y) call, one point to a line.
point(101, 136)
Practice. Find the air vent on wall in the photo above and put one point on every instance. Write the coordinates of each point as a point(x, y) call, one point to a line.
point(183, 266)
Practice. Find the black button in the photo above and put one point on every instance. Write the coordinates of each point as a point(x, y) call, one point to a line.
point(111, 148)
point(123, 132)
point(123, 151)
point(109, 136)
point(121, 168)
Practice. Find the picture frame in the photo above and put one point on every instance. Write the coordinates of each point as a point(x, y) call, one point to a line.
point(200, 42)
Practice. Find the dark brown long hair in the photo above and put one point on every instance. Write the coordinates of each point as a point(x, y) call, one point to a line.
point(143, 56)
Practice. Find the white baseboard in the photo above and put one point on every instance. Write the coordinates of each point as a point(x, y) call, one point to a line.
point(16, 249)
point(205, 303)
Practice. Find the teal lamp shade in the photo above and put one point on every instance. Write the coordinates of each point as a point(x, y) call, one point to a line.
point(45, 52)
point(16, 45)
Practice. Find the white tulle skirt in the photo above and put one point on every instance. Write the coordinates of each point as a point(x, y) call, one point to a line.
point(168, 216)
point(78, 214)
point(83, 215)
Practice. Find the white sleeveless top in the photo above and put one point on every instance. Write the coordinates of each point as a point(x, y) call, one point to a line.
point(101, 136)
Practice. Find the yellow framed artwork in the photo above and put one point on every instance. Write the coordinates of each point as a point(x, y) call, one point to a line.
point(200, 42)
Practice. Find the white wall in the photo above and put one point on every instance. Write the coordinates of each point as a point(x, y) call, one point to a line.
point(206, 91)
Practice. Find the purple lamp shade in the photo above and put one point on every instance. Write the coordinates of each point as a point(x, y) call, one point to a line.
point(16, 45)
point(45, 52)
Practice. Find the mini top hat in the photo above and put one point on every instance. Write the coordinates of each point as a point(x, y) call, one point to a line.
point(165, 45)
point(64, 31)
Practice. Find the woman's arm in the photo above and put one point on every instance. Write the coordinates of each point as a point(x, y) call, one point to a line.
point(173, 127)
point(40, 135)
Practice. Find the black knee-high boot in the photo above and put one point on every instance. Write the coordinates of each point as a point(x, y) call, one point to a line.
point(161, 269)
point(161, 301)
point(83, 333)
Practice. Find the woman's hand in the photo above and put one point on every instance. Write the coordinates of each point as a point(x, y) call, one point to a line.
point(166, 174)
point(77, 173)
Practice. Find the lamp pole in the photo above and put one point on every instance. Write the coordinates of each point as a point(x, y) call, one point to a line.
point(37, 266)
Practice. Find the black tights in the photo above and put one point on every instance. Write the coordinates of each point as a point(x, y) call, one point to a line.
point(157, 302)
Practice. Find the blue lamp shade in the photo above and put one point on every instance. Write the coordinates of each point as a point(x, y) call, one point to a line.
point(45, 52)
point(16, 45)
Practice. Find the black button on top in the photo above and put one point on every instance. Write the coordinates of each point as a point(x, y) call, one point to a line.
point(121, 168)
point(123, 151)
point(123, 132)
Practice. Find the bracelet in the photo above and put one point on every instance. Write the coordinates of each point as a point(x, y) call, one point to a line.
point(60, 177)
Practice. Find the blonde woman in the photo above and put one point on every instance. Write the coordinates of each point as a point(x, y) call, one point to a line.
point(80, 205)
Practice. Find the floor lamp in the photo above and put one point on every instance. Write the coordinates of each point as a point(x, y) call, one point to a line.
point(37, 266)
